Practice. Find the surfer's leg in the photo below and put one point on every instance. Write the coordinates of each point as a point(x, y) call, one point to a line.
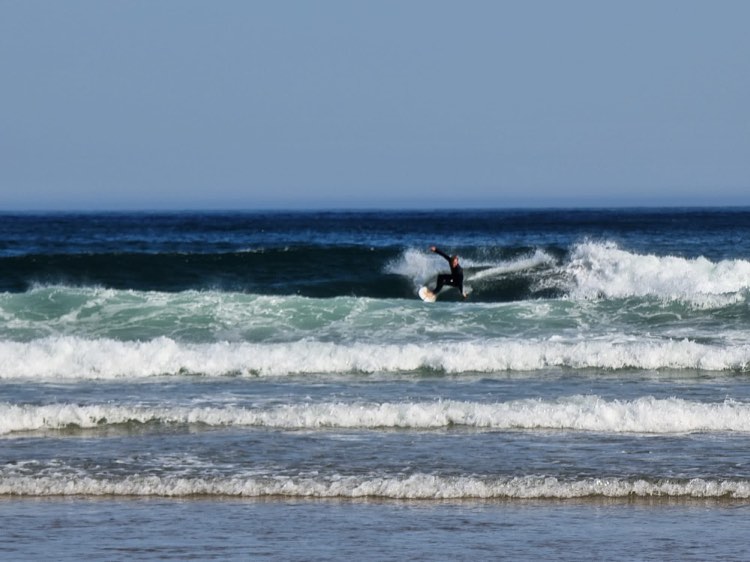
point(441, 280)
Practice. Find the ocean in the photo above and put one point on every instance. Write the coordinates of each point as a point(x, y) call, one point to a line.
point(268, 385)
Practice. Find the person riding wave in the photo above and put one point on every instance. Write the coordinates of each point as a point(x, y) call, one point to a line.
point(455, 278)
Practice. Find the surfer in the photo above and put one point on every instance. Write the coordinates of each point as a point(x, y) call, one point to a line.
point(455, 278)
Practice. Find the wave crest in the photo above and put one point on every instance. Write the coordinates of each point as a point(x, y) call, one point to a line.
point(604, 270)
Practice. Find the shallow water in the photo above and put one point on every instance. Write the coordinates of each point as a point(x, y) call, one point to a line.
point(200, 529)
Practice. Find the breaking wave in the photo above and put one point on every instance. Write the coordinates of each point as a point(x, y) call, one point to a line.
point(577, 413)
point(78, 358)
point(416, 486)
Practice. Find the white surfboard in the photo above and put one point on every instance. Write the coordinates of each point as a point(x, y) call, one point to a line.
point(426, 295)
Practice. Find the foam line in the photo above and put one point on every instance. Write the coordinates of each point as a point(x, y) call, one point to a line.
point(578, 413)
point(77, 358)
point(416, 486)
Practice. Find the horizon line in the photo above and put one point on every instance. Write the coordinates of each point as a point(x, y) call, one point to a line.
point(367, 209)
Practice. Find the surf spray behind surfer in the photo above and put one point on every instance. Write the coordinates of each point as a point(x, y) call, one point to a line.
point(455, 278)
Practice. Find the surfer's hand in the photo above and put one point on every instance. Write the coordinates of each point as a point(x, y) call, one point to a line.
point(433, 248)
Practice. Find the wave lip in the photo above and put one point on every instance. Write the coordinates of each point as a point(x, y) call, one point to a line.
point(413, 487)
point(576, 413)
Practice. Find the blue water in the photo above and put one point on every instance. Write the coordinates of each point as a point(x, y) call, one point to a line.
point(231, 384)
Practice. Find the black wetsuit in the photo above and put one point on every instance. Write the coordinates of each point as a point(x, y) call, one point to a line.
point(455, 278)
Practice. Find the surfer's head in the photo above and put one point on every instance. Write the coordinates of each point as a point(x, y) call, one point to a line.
point(454, 261)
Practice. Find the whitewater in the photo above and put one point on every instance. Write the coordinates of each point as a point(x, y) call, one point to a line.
point(584, 413)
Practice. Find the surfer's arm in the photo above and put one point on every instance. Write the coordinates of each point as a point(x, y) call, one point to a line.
point(440, 253)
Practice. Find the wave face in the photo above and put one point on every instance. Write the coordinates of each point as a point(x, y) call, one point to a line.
point(599, 354)
point(508, 256)
point(582, 270)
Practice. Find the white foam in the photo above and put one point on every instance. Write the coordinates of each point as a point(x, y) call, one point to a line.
point(418, 266)
point(416, 486)
point(77, 358)
point(533, 261)
point(421, 266)
point(604, 270)
point(579, 413)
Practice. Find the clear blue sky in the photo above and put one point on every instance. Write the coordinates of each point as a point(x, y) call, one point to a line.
point(154, 104)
